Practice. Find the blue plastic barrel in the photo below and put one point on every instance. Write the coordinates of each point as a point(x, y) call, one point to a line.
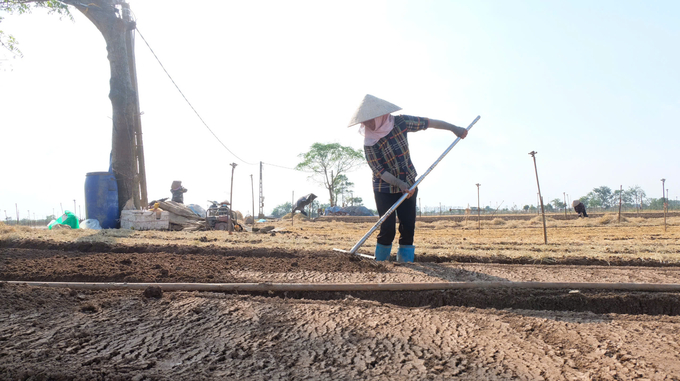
point(101, 199)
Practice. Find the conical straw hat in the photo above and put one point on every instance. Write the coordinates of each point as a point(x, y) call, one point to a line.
point(372, 107)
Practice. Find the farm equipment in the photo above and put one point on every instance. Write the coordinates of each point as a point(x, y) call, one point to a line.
point(217, 217)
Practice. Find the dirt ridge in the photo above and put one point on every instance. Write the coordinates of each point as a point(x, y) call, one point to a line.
point(255, 252)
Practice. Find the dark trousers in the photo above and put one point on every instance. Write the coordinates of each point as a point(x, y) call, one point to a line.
point(581, 210)
point(407, 218)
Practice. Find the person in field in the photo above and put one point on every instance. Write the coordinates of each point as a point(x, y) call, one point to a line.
point(387, 153)
point(579, 208)
point(177, 191)
point(302, 202)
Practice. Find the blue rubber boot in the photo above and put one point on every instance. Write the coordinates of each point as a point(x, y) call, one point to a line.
point(382, 252)
point(406, 253)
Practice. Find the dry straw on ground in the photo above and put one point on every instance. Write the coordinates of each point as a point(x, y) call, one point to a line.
point(601, 237)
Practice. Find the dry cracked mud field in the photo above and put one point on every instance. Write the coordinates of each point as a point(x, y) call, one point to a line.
point(495, 334)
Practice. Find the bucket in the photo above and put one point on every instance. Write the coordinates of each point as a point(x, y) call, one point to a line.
point(101, 199)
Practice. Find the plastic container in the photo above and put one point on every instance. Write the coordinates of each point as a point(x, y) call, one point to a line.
point(101, 199)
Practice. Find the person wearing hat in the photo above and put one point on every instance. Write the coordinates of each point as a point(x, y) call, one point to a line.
point(579, 208)
point(387, 153)
point(177, 191)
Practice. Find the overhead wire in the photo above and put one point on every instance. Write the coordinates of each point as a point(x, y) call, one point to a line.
point(199, 116)
point(189, 103)
point(292, 169)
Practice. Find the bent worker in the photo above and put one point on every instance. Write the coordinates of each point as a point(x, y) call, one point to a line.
point(579, 208)
point(177, 191)
point(387, 153)
point(302, 202)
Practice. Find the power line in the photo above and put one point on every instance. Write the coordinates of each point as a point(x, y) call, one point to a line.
point(189, 103)
point(199, 116)
point(292, 169)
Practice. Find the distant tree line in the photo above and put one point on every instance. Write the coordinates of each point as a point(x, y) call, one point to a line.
point(633, 197)
point(600, 198)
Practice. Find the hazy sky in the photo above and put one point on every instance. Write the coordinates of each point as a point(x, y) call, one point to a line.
point(592, 86)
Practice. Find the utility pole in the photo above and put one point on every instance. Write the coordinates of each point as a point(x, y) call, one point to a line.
point(568, 202)
point(564, 195)
point(17, 208)
point(663, 201)
point(479, 213)
point(292, 201)
point(261, 213)
point(620, 198)
point(139, 193)
point(231, 203)
point(420, 207)
point(74, 207)
point(545, 231)
point(28, 218)
point(252, 190)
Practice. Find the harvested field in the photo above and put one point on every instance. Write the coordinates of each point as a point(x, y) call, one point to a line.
point(79, 334)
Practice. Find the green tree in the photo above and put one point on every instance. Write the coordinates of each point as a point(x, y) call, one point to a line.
point(557, 203)
point(625, 197)
point(8, 41)
point(282, 210)
point(358, 201)
point(637, 194)
point(114, 21)
point(601, 197)
point(526, 208)
point(329, 163)
point(343, 187)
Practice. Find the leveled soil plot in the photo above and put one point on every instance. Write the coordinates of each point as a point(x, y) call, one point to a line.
point(58, 334)
point(64, 334)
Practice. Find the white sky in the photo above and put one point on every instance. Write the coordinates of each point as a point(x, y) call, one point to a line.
point(591, 86)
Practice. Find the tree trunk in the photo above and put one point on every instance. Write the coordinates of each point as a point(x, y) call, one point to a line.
point(329, 186)
point(108, 20)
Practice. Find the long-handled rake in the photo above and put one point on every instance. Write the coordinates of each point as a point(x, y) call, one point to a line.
point(401, 199)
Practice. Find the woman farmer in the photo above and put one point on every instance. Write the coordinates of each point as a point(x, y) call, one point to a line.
point(579, 208)
point(387, 153)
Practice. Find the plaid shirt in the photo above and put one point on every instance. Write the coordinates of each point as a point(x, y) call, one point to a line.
point(391, 154)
